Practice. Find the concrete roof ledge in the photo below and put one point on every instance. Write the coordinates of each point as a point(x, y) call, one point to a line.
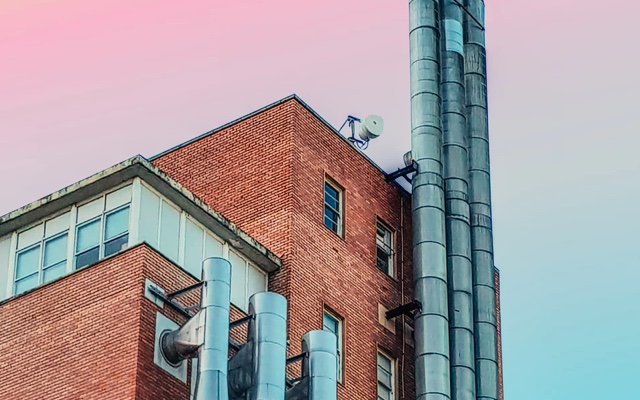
point(139, 166)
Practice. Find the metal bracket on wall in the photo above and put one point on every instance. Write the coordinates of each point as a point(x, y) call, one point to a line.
point(409, 309)
point(402, 172)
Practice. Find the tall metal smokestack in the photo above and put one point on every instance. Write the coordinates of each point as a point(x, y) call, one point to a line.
point(480, 203)
point(456, 176)
point(428, 216)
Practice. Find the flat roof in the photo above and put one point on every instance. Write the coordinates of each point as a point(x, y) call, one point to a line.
point(142, 168)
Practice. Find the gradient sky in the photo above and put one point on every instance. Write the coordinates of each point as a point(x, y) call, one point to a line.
point(85, 84)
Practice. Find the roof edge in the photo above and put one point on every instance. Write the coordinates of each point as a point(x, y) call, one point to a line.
point(268, 107)
point(139, 167)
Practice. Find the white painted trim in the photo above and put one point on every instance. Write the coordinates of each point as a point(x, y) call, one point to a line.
point(11, 274)
point(71, 249)
point(134, 213)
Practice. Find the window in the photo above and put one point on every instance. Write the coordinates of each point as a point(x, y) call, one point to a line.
point(384, 244)
point(246, 280)
point(386, 378)
point(42, 254)
point(333, 208)
point(103, 227)
point(332, 323)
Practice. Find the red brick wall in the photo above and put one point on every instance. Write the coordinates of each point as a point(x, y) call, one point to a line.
point(266, 175)
point(96, 342)
point(86, 322)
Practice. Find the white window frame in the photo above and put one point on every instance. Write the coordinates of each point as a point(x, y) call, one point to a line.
point(247, 264)
point(41, 243)
point(388, 248)
point(340, 211)
point(340, 323)
point(392, 363)
point(103, 220)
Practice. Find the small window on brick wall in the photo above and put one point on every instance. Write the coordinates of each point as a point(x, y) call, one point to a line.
point(333, 323)
point(384, 249)
point(333, 207)
point(386, 377)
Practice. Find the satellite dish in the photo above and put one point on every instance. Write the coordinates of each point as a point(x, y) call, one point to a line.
point(371, 127)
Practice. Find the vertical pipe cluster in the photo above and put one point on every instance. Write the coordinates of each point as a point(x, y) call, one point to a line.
point(213, 353)
point(428, 215)
point(455, 332)
point(456, 173)
point(480, 204)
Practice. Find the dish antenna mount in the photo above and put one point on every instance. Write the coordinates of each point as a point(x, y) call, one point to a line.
point(370, 128)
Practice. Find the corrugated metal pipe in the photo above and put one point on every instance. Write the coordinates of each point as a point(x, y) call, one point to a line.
point(319, 368)
point(432, 373)
point(207, 333)
point(456, 176)
point(257, 371)
point(480, 204)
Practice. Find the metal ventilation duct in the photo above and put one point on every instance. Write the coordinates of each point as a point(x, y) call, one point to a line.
point(456, 175)
point(428, 218)
point(319, 368)
point(257, 371)
point(207, 333)
point(480, 204)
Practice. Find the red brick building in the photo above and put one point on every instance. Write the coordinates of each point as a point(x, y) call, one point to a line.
point(291, 203)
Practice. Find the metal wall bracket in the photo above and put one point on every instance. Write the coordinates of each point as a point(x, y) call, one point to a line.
point(409, 309)
point(402, 172)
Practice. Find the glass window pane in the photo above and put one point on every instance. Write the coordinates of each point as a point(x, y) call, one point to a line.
point(238, 281)
point(169, 231)
point(117, 223)
point(256, 281)
point(90, 210)
point(88, 257)
point(30, 237)
point(212, 247)
point(55, 250)
point(115, 245)
point(193, 251)
point(54, 272)
point(149, 220)
point(26, 284)
point(28, 263)
point(330, 324)
point(88, 236)
point(383, 261)
point(57, 225)
point(118, 198)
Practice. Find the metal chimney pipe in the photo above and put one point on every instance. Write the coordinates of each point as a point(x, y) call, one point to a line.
point(268, 334)
point(480, 204)
point(258, 370)
point(319, 379)
point(321, 365)
point(432, 373)
point(214, 352)
point(456, 176)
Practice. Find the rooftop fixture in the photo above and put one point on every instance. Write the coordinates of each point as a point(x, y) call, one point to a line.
point(370, 128)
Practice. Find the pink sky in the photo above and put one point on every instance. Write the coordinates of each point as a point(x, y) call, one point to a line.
point(85, 84)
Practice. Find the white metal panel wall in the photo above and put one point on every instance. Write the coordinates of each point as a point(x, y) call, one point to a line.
point(149, 219)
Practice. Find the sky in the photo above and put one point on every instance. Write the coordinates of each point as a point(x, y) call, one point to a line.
point(85, 84)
